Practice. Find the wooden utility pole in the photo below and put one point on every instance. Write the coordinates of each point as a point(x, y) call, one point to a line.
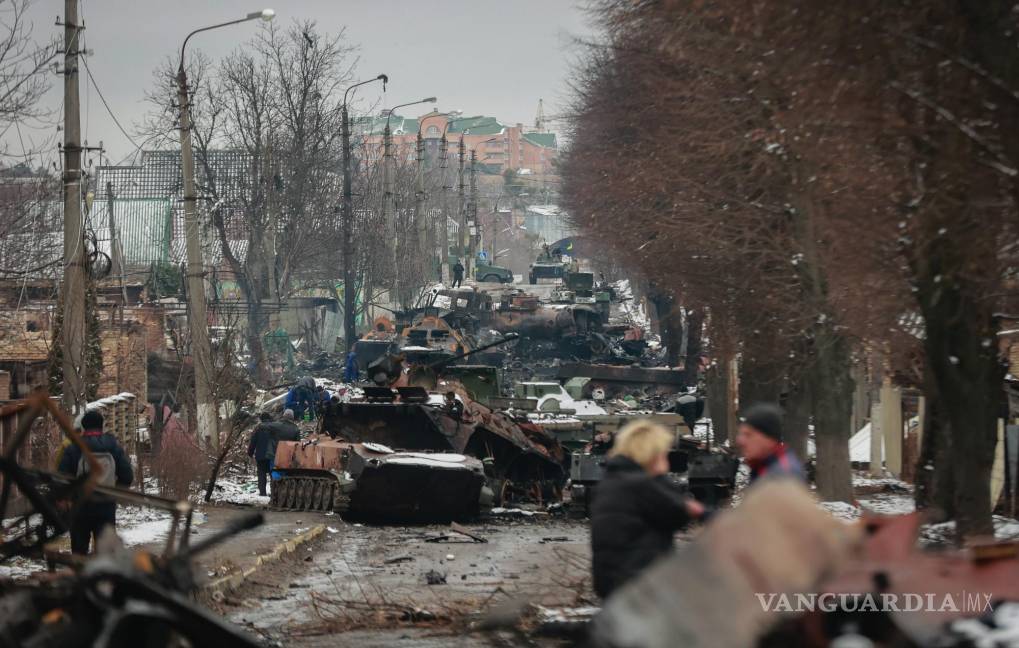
point(73, 290)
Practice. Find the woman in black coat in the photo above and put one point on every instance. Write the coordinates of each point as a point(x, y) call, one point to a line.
point(636, 512)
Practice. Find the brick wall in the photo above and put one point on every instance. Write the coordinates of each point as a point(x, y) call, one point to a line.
point(125, 361)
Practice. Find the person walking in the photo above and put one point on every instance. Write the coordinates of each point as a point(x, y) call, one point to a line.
point(458, 274)
point(759, 439)
point(98, 511)
point(284, 430)
point(260, 449)
point(636, 511)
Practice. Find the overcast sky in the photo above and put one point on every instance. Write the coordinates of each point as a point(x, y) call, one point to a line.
point(493, 57)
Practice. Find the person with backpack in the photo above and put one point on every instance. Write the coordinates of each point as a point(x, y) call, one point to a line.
point(98, 511)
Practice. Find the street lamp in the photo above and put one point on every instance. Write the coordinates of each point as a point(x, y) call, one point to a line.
point(201, 349)
point(349, 334)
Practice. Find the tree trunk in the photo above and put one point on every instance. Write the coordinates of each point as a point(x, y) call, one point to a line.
point(694, 347)
point(798, 408)
point(832, 388)
point(718, 400)
point(968, 377)
point(934, 473)
point(760, 381)
point(670, 325)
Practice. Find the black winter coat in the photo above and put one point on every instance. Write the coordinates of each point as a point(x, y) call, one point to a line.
point(260, 447)
point(633, 519)
point(97, 504)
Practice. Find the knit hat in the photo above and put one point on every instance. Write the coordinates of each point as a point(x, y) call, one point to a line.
point(766, 418)
point(288, 415)
point(92, 420)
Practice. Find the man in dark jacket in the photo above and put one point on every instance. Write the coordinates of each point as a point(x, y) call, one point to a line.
point(97, 512)
point(284, 430)
point(458, 275)
point(635, 511)
point(759, 439)
point(260, 448)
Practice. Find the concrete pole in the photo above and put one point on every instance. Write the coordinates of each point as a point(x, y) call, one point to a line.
point(461, 239)
point(201, 349)
point(116, 249)
point(421, 228)
point(443, 229)
point(472, 216)
point(73, 326)
point(349, 324)
point(388, 213)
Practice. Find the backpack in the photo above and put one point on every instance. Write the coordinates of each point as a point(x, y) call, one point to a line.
point(107, 467)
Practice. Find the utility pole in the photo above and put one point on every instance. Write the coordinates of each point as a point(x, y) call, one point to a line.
point(116, 249)
point(444, 263)
point(388, 216)
point(198, 319)
point(461, 242)
point(473, 230)
point(349, 333)
point(420, 225)
point(73, 325)
point(349, 324)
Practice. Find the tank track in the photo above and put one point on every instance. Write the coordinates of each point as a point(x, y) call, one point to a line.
point(322, 494)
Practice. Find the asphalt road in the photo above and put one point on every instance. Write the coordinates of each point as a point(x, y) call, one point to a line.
point(362, 585)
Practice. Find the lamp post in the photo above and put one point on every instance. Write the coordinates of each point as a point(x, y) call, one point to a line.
point(349, 326)
point(201, 349)
point(388, 213)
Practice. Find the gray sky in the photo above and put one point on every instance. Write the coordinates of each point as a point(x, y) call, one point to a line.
point(493, 57)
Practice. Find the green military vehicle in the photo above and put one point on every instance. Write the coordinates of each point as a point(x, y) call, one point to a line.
point(492, 273)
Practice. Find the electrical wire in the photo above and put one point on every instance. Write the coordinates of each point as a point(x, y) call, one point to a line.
point(108, 109)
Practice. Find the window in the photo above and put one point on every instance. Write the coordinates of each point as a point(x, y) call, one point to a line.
point(433, 131)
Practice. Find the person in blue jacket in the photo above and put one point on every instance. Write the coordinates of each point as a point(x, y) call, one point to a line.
point(350, 372)
point(98, 511)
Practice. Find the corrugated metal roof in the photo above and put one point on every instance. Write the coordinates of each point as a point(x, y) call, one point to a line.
point(546, 140)
point(144, 228)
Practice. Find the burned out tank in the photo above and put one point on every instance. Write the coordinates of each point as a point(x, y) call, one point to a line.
point(522, 462)
point(372, 481)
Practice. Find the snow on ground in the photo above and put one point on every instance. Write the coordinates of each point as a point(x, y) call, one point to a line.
point(135, 525)
point(894, 497)
point(238, 489)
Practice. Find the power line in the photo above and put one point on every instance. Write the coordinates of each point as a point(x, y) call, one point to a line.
point(108, 109)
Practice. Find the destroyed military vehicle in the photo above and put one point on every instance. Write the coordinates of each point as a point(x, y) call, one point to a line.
point(709, 473)
point(521, 462)
point(372, 481)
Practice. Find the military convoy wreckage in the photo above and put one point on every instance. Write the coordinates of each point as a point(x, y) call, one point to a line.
point(404, 454)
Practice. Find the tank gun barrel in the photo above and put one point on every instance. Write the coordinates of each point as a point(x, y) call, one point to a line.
point(509, 337)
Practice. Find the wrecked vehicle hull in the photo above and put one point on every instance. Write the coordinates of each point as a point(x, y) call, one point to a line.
point(522, 462)
point(371, 481)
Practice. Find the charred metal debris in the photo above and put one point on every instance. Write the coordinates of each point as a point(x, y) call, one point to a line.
point(117, 598)
point(477, 399)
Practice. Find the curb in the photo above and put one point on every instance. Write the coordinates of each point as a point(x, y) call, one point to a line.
point(218, 588)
